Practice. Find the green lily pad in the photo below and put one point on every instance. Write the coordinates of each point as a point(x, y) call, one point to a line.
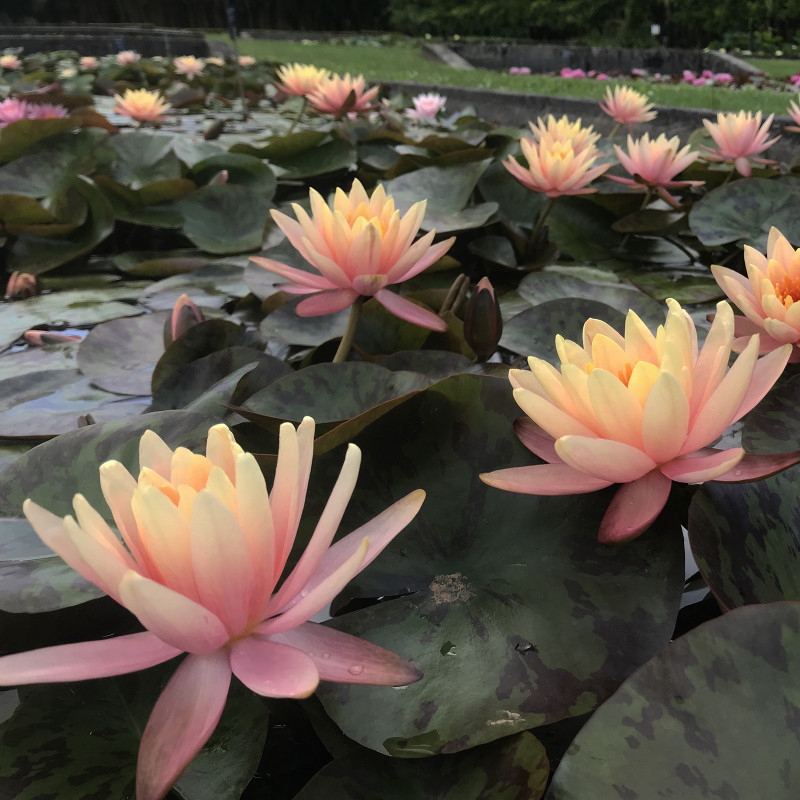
point(53, 472)
point(225, 219)
point(713, 715)
point(329, 392)
point(38, 359)
point(283, 325)
point(128, 207)
point(242, 170)
point(515, 202)
point(160, 263)
point(447, 190)
point(514, 768)
point(533, 332)
point(685, 287)
point(77, 307)
point(330, 156)
point(120, 355)
point(771, 427)
point(81, 740)
point(209, 286)
point(44, 404)
point(744, 211)
point(37, 254)
point(510, 607)
point(143, 158)
point(34, 579)
point(17, 137)
point(279, 148)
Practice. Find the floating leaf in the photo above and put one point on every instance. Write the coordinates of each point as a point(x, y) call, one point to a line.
point(143, 158)
point(17, 137)
point(283, 325)
point(209, 286)
point(513, 611)
point(514, 768)
point(713, 715)
point(242, 169)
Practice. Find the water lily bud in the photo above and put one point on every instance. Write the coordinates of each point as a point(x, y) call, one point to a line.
point(219, 178)
point(483, 322)
point(185, 315)
point(21, 285)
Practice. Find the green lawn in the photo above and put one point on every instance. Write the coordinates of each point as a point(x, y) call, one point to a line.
point(405, 62)
point(777, 67)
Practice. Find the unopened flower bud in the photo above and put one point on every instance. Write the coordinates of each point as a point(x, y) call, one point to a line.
point(22, 285)
point(185, 315)
point(483, 322)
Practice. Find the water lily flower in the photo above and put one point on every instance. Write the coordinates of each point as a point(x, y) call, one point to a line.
point(189, 66)
point(426, 107)
point(215, 61)
point(795, 79)
point(519, 71)
point(794, 112)
point(567, 72)
point(246, 61)
point(739, 137)
point(579, 137)
point(9, 61)
point(88, 62)
point(141, 105)
point(555, 167)
point(126, 58)
point(640, 410)
point(297, 80)
point(722, 77)
point(769, 297)
point(339, 95)
point(654, 163)
point(12, 110)
point(360, 246)
point(688, 76)
point(203, 549)
point(46, 111)
point(626, 106)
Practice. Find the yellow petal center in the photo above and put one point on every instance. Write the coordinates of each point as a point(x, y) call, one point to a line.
point(788, 290)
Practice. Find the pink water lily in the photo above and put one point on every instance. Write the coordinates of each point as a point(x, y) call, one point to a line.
point(640, 410)
point(769, 296)
point(203, 549)
point(739, 138)
point(627, 106)
point(339, 95)
point(360, 246)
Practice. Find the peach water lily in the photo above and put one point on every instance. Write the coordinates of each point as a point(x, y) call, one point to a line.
point(769, 297)
point(188, 66)
point(739, 138)
point(563, 129)
point(359, 246)
point(127, 58)
point(339, 95)
point(626, 106)
point(298, 80)
point(640, 410)
point(141, 105)
point(654, 163)
point(203, 548)
point(9, 61)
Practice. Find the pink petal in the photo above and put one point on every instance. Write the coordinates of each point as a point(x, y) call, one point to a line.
point(273, 669)
point(379, 530)
point(634, 508)
point(767, 370)
point(411, 312)
point(326, 303)
point(538, 441)
point(615, 462)
point(85, 660)
point(344, 658)
point(181, 722)
point(319, 596)
point(753, 466)
point(666, 418)
point(544, 479)
point(301, 276)
point(171, 616)
point(703, 465)
point(326, 528)
point(402, 272)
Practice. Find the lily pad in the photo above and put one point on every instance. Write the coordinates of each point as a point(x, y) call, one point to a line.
point(713, 715)
point(283, 325)
point(242, 170)
point(514, 768)
point(514, 613)
point(143, 158)
point(17, 137)
point(209, 286)
point(120, 355)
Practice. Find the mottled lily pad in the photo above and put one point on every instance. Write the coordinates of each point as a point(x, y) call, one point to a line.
point(713, 715)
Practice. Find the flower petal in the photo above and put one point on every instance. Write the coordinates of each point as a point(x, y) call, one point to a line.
point(310, 279)
point(410, 312)
point(634, 508)
point(86, 660)
point(181, 722)
point(615, 462)
point(171, 616)
point(665, 421)
point(767, 370)
point(539, 442)
point(702, 465)
point(326, 303)
point(344, 658)
point(753, 466)
point(273, 669)
point(544, 479)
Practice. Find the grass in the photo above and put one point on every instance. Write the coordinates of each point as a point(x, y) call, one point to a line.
point(404, 62)
point(777, 67)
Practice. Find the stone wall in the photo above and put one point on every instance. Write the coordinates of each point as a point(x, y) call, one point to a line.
point(100, 39)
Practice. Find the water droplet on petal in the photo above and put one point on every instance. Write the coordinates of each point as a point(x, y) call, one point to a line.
point(356, 669)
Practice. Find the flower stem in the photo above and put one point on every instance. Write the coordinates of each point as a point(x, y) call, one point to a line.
point(298, 117)
point(542, 217)
point(350, 332)
point(616, 128)
point(728, 176)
